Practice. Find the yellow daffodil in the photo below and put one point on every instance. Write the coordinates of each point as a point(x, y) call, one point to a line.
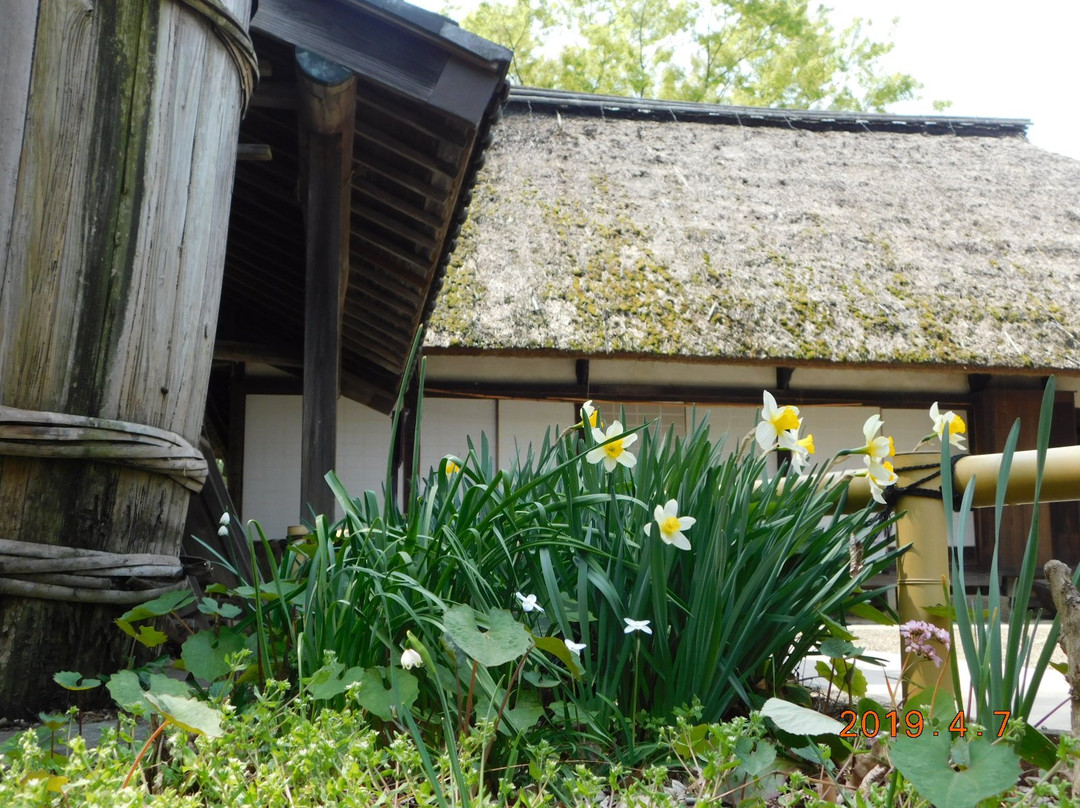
point(878, 447)
point(880, 475)
point(452, 466)
point(589, 415)
point(775, 422)
point(800, 448)
point(613, 452)
point(956, 425)
point(672, 525)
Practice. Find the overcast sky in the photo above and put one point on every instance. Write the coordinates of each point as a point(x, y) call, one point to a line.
point(990, 58)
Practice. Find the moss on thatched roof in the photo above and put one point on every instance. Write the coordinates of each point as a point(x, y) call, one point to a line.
point(606, 236)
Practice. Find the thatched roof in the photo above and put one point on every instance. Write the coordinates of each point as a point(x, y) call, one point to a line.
point(707, 232)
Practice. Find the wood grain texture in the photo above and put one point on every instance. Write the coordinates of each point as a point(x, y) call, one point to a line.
point(327, 115)
point(111, 269)
point(16, 51)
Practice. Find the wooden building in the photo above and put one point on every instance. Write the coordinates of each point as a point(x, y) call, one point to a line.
point(680, 258)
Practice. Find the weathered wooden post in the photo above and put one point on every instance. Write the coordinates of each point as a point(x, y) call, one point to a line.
point(118, 130)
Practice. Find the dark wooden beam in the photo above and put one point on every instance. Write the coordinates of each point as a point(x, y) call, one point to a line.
point(327, 102)
point(257, 152)
point(227, 351)
point(554, 391)
point(581, 371)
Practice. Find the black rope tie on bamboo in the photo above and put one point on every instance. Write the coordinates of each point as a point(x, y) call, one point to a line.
point(234, 36)
point(892, 494)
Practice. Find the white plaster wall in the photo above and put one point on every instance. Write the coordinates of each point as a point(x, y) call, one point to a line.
point(272, 462)
point(525, 422)
point(272, 445)
point(447, 423)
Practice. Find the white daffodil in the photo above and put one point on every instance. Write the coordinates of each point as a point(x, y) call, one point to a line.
point(528, 603)
point(800, 448)
point(574, 647)
point(877, 447)
point(411, 659)
point(956, 425)
point(775, 422)
point(613, 453)
point(589, 416)
point(636, 625)
point(672, 525)
point(880, 475)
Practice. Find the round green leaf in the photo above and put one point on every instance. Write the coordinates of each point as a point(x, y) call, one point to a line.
point(331, 680)
point(128, 694)
point(376, 694)
point(204, 653)
point(799, 720)
point(187, 713)
point(983, 769)
point(504, 640)
point(70, 680)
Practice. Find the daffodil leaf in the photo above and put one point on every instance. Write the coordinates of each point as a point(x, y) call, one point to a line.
point(190, 714)
point(205, 653)
point(955, 775)
point(799, 720)
point(504, 639)
point(70, 680)
point(376, 694)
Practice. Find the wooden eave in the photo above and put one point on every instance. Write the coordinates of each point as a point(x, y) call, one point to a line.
point(426, 96)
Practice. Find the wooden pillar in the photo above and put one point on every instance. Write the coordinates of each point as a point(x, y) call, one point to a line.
point(118, 129)
point(995, 411)
point(327, 112)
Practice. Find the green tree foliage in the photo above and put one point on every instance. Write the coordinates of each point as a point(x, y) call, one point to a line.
point(778, 53)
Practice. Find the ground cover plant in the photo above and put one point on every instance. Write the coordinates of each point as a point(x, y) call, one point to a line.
point(619, 616)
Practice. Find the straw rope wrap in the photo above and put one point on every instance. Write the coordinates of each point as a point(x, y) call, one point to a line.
point(27, 433)
point(234, 37)
point(77, 575)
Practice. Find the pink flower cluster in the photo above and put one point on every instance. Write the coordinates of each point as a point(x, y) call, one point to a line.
point(917, 636)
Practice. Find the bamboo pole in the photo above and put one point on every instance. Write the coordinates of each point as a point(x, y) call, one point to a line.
point(921, 571)
point(1060, 483)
